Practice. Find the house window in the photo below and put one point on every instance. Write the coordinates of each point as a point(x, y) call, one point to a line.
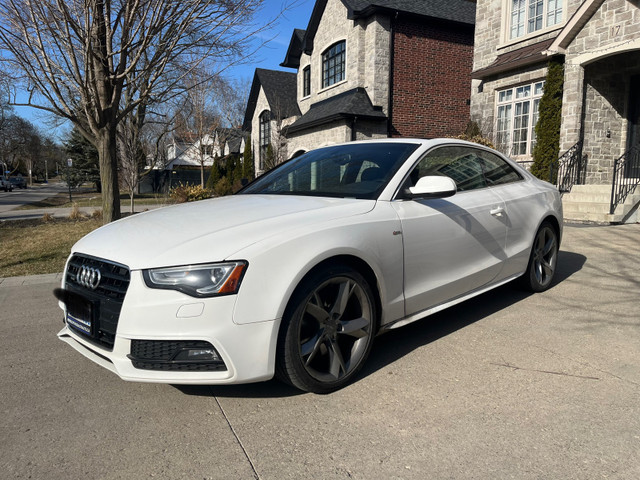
point(333, 62)
point(517, 116)
point(265, 135)
point(528, 16)
point(306, 81)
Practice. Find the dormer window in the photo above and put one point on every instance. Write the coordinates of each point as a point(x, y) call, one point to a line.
point(333, 64)
point(528, 16)
point(306, 81)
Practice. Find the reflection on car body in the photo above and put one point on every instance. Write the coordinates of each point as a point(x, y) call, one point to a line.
point(297, 273)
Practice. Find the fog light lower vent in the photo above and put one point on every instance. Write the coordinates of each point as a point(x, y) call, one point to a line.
point(175, 355)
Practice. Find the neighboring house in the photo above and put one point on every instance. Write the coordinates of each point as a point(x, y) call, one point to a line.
point(191, 150)
point(272, 106)
point(367, 69)
point(600, 43)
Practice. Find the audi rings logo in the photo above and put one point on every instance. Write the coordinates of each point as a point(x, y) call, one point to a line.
point(89, 277)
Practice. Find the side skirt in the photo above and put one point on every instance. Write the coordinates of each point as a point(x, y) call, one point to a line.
point(438, 308)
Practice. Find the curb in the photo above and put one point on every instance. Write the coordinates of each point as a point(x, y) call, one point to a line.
point(31, 280)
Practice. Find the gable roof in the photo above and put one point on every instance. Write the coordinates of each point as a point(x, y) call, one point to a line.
point(292, 58)
point(350, 104)
point(575, 24)
point(458, 11)
point(280, 88)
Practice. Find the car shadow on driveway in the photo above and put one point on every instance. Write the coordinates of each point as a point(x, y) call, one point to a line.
point(395, 344)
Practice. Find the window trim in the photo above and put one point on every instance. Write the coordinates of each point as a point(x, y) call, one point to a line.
point(534, 99)
point(324, 61)
point(507, 39)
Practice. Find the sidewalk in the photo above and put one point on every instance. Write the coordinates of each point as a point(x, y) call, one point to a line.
point(31, 280)
point(65, 212)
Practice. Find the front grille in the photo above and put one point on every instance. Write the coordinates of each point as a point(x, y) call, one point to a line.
point(161, 354)
point(106, 299)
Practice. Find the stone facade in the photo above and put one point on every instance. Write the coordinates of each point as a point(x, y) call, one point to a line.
point(407, 73)
point(600, 61)
point(600, 42)
point(367, 56)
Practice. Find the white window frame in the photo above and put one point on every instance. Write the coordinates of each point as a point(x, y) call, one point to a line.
point(534, 17)
point(516, 116)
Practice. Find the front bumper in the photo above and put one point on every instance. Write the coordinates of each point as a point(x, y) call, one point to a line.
point(247, 350)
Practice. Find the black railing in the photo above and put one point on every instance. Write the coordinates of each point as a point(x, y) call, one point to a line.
point(569, 169)
point(626, 176)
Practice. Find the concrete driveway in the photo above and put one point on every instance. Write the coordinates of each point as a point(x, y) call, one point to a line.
point(508, 385)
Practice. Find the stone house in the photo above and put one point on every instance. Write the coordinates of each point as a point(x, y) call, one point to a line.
point(366, 69)
point(599, 41)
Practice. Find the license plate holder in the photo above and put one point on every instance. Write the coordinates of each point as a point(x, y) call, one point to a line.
point(81, 314)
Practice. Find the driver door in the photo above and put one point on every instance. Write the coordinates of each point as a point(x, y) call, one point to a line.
point(452, 245)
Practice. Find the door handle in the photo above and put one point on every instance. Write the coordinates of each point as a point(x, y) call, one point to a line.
point(497, 212)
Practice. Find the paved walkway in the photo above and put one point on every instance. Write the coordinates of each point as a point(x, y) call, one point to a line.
point(65, 212)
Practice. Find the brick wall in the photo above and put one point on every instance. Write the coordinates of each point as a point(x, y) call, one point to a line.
point(431, 79)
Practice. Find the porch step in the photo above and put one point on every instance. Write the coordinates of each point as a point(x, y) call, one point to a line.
point(590, 203)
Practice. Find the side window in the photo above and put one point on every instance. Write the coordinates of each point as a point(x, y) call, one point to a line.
point(459, 163)
point(496, 170)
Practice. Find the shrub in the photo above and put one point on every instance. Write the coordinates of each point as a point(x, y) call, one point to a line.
point(189, 193)
point(547, 148)
point(75, 212)
point(47, 217)
point(473, 133)
point(223, 187)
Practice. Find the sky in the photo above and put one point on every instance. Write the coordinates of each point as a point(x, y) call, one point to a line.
point(296, 15)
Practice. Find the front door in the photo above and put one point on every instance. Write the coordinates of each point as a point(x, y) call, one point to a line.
point(632, 169)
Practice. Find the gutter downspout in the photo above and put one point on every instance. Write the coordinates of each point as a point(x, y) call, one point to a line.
point(353, 128)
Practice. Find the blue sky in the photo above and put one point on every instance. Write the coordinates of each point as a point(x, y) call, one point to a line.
point(269, 56)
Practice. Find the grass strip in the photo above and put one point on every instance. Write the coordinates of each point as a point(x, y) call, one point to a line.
point(33, 247)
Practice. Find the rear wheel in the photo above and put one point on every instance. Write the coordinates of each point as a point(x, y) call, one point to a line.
point(327, 331)
point(543, 259)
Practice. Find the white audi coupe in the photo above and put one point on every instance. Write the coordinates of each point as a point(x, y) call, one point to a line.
point(297, 273)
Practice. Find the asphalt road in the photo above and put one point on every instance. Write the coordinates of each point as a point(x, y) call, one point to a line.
point(18, 197)
point(508, 385)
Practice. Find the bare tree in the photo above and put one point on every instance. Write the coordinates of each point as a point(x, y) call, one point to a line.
point(231, 100)
point(203, 119)
point(77, 57)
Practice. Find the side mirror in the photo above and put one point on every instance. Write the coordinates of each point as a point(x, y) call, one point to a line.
point(432, 187)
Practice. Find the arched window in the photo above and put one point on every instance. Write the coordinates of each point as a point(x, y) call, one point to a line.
point(265, 135)
point(333, 64)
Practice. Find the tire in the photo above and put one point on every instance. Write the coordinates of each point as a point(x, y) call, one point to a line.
point(327, 330)
point(543, 259)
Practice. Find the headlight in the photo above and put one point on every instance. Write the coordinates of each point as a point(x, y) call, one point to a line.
point(208, 280)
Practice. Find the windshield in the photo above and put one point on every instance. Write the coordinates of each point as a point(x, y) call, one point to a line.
point(352, 170)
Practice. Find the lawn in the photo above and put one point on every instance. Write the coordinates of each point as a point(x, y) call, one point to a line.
point(30, 247)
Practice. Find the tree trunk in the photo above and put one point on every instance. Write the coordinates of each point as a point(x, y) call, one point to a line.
point(108, 159)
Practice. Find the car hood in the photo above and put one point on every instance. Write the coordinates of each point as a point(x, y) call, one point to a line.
point(210, 230)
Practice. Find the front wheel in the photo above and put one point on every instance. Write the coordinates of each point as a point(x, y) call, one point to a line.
point(327, 331)
point(543, 259)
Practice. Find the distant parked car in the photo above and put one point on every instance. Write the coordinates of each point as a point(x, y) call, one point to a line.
point(5, 184)
point(18, 182)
